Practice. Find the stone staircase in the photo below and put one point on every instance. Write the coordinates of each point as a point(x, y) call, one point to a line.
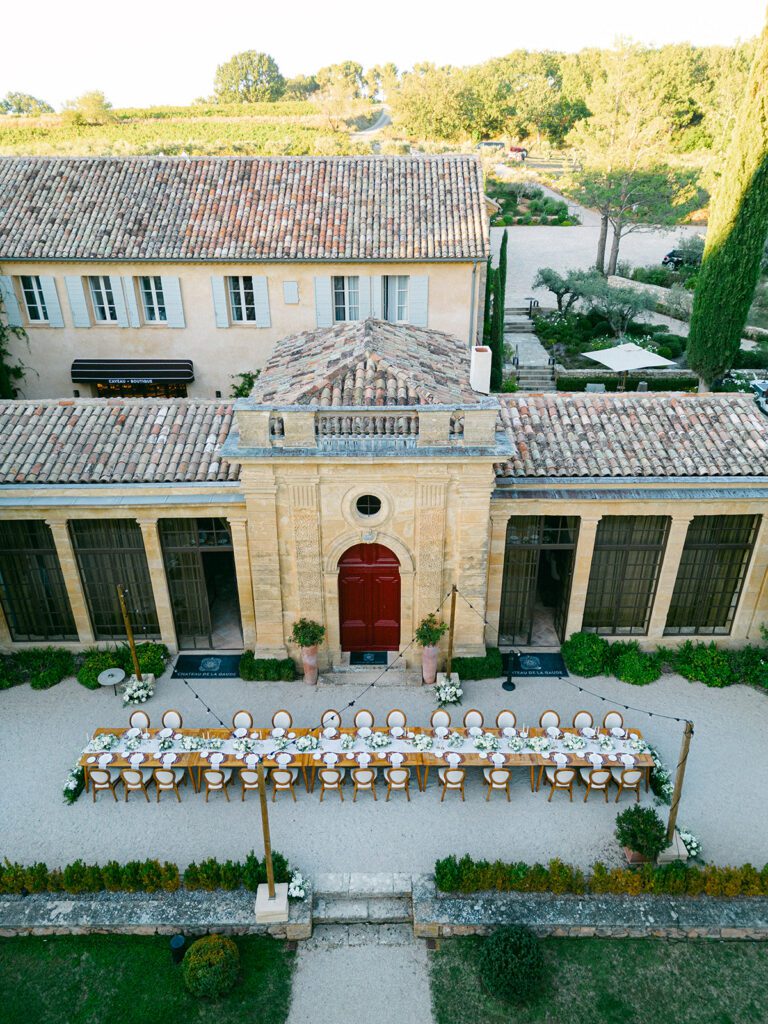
point(536, 378)
point(352, 909)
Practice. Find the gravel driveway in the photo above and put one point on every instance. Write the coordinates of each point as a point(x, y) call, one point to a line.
point(42, 733)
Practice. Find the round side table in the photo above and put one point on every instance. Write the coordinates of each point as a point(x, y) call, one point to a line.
point(111, 677)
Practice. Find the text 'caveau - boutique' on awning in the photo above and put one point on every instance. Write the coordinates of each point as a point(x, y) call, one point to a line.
point(151, 378)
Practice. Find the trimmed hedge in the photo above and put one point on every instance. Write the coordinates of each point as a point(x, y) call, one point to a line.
point(465, 875)
point(266, 669)
point(489, 667)
point(587, 654)
point(679, 382)
point(140, 876)
point(152, 660)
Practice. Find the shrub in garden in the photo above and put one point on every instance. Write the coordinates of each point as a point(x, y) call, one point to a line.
point(632, 665)
point(511, 964)
point(211, 966)
point(706, 663)
point(45, 666)
point(95, 663)
point(10, 672)
point(152, 660)
point(266, 669)
point(585, 654)
point(750, 665)
point(489, 667)
point(642, 830)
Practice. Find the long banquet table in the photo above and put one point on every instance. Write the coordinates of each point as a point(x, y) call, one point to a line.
point(266, 747)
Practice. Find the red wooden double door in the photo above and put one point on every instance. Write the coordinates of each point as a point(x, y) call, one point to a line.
point(369, 599)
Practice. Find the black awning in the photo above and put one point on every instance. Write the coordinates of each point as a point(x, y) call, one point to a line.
point(132, 371)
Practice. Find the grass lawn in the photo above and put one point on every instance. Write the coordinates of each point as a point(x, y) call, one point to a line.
point(90, 979)
point(614, 981)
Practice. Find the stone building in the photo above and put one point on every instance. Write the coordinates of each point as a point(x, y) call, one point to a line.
point(166, 277)
point(369, 471)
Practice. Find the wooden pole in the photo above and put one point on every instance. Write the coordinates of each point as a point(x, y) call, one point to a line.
point(452, 621)
point(129, 632)
point(265, 830)
point(679, 776)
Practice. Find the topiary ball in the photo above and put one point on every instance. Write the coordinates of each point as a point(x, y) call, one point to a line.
point(211, 966)
point(511, 965)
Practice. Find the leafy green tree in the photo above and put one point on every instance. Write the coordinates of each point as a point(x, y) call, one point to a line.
point(348, 72)
point(431, 103)
point(738, 225)
point(92, 108)
point(617, 306)
point(23, 103)
point(301, 87)
point(503, 269)
point(248, 77)
point(381, 81)
point(565, 287)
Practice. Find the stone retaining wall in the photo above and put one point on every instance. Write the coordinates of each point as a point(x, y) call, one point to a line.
point(436, 914)
point(160, 913)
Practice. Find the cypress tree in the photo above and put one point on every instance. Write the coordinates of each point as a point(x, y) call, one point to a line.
point(503, 271)
point(736, 234)
point(488, 300)
point(497, 333)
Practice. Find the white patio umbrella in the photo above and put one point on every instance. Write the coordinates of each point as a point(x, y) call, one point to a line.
point(623, 358)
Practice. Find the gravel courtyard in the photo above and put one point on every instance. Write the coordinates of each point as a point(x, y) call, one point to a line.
point(43, 732)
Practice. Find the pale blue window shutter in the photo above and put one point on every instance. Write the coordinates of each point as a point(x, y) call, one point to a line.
point(418, 299)
point(10, 302)
point(174, 309)
point(131, 305)
point(365, 297)
point(52, 304)
point(291, 293)
point(376, 297)
point(220, 311)
point(119, 296)
point(261, 301)
point(76, 294)
point(392, 298)
point(323, 302)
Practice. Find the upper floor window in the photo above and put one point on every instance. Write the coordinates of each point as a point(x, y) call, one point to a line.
point(103, 299)
point(241, 299)
point(395, 297)
point(34, 299)
point(153, 299)
point(346, 298)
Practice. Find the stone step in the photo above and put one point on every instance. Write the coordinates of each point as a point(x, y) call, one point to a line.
point(362, 910)
point(518, 328)
point(359, 884)
point(344, 675)
point(333, 936)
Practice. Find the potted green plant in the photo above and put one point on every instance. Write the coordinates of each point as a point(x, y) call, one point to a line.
point(641, 833)
point(308, 634)
point(428, 635)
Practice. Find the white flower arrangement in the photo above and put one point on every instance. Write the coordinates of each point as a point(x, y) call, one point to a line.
point(74, 785)
point(486, 743)
point(691, 843)
point(455, 740)
point(638, 746)
point(297, 889)
point(540, 744)
point(106, 741)
point(348, 741)
point(447, 692)
point(378, 741)
point(661, 779)
point(421, 741)
point(280, 742)
point(138, 691)
point(606, 744)
point(213, 743)
point(515, 744)
point(166, 743)
point(307, 742)
point(244, 746)
point(192, 742)
point(132, 743)
point(572, 741)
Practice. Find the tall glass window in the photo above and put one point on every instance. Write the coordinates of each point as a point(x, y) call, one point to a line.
point(103, 299)
point(153, 300)
point(712, 570)
point(624, 573)
point(241, 299)
point(34, 299)
point(32, 590)
point(395, 297)
point(111, 552)
point(346, 298)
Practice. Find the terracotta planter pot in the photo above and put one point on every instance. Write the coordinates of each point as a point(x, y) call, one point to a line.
point(633, 857)
point(429, 665)
point(309, 661)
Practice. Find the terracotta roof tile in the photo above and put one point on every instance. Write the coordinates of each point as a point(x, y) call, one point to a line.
point(615, 435)
point(242, 208)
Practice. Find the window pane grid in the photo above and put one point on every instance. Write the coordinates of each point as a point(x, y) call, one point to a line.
point(624, 574)
point(103, 300)
point(241, 299)
point(33, 298)
point(712, 571)
point(402, 298)
point(32, 590)
point(153, 299)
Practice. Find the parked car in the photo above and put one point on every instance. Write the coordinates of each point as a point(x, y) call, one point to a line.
point(487, 145)
point(518, 153)
point(677, 258)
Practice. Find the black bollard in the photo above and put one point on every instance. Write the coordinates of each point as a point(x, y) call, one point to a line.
point(178, 943)
point(508, 684)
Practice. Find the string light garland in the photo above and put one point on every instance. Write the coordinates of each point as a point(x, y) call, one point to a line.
point(205, 705)
point(582, 689)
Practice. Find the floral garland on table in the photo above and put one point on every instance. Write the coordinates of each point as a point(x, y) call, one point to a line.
point(540, 744)
point(455, 740)
point(516, 744)
point(572, 741)
point(606, 744)
point(486, 743)
point(661, 777)
point(691, 843)
point(138, 691)
point(244, 746)
point(212, 743)
point(132, 743)
point(348, 741)
point(166, 743)
point(297, 886)
point(280, 742)
point(105, 741)
point(447, 692)
point(378, 741)
point(74, 785)
point(307, 742)
point(420, 741)
point(192, 742)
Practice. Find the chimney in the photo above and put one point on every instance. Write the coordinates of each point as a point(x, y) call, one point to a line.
point(480, 369)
